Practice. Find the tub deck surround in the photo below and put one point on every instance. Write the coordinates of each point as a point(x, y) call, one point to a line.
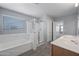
point(14, 44)
point(10, 45)
point(67, 42)
point(14, 49)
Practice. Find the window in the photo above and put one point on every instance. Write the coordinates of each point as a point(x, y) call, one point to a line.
point(13, 25)
point(59, 27)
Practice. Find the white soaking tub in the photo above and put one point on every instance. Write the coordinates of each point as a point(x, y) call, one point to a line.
point(14, 44)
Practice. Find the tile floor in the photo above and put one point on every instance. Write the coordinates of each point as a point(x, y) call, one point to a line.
point(43, 50)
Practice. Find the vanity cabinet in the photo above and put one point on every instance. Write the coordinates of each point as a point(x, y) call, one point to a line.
point(58, 51)
point(66, 45)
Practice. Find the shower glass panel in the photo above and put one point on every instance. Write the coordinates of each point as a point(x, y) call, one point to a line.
point(57, 29)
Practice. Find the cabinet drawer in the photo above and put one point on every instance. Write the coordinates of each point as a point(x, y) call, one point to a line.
point(69, 53)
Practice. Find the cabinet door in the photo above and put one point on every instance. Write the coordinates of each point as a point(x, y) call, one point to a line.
point(57, 51)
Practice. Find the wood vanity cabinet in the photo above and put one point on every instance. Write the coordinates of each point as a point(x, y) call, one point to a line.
point(58, 51)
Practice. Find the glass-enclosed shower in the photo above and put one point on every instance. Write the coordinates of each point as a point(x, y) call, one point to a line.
point(66, 25)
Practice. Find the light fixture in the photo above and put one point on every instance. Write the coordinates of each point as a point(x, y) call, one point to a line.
point(76, 4)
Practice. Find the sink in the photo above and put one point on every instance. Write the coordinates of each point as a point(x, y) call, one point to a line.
point(74, 41)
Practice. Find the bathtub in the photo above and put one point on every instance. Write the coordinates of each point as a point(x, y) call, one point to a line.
point(14, 44)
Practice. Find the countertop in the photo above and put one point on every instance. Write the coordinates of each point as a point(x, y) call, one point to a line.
point(68, 42)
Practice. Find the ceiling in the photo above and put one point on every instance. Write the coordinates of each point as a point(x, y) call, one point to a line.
point(25, 8)
point(41, 9)
point(58, 9)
